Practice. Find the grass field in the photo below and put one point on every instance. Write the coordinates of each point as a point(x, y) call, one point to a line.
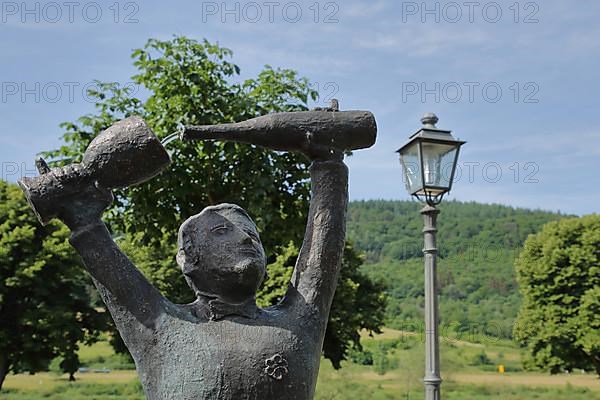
point(390, 367)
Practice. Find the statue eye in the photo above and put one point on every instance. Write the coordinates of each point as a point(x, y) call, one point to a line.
point(220, 229)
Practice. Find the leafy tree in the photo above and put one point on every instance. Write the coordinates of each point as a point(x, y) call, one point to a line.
point(192, 82)
point(382, 360)
point(358, 303)
point(44, 302)
point(559, 275)
point(480, 358)
point(279, 275)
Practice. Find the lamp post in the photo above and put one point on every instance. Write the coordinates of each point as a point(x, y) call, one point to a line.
point(429, 162)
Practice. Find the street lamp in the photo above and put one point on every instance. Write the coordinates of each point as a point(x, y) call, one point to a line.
point(429, 162)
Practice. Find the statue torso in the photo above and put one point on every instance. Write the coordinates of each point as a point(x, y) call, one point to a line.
point(273, 356)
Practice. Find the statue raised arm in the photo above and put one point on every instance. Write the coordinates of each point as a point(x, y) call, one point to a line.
point(125, 154)
point(323, 135)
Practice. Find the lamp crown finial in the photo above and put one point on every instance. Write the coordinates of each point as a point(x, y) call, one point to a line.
point(429, 120)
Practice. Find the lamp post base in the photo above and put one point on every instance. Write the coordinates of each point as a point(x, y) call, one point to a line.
point(432, 388)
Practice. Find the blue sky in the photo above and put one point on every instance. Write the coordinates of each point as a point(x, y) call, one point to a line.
point(517, 80)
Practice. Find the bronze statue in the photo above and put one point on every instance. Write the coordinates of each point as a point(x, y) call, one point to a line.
point(222, 346)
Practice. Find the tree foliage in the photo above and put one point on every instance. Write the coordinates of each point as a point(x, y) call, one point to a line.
point(559, 276)
point(279, 275)
point(193, 82)
point(478, 245)
point(44, 301)
point(359, 302)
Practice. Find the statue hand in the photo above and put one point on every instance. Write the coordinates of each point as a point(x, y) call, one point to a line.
point(319, 152)
point(86, 206)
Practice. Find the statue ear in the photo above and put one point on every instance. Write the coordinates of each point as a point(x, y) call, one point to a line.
point(183, 258)
point(180, 258)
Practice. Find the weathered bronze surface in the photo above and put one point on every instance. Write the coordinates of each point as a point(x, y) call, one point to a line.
point(222, 346)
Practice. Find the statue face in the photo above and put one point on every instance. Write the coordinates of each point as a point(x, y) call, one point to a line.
point(222, 255)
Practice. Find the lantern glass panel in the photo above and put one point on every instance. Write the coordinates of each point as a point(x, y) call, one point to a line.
point(438, 165)
point(411, 164)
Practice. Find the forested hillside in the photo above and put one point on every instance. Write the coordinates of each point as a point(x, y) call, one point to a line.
point(477, 245)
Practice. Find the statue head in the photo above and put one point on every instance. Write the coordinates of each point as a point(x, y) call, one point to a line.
point(220, 253)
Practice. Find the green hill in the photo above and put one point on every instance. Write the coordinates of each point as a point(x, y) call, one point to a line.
point(477, 245)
